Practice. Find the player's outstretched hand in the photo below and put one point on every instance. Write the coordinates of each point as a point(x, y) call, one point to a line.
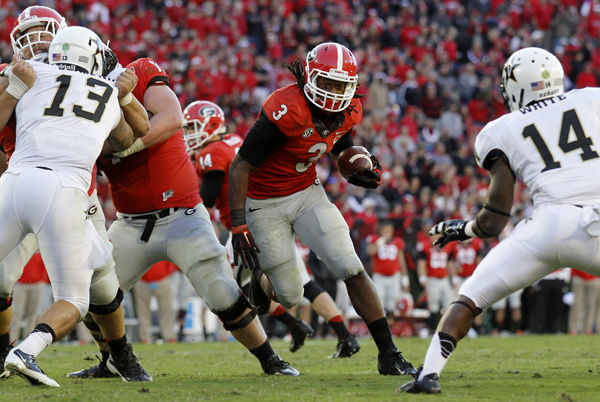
point(244, 248)
point(368, 178)
point(448, 231)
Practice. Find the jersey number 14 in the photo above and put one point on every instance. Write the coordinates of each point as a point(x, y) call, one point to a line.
point(570, 121)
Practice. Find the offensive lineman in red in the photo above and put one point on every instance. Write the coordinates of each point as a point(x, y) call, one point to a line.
point(274, 185)
point(161, 217)
point(204, 128)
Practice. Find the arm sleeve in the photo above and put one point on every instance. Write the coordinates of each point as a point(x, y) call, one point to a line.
point(210, 189)
point(262, 139)
point(343, 143)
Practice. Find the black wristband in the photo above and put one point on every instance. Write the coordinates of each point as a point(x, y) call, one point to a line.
point(238, 217)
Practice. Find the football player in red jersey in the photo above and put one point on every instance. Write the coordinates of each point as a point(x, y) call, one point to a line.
point(275, 194)
point(34, 30)
point(435, 273)
point(203, 130)
point(161, 217)
point(390, 275)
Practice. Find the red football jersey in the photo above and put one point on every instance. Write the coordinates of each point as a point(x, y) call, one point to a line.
point(34, 271)
point(8, 134)
point(161, 176)
point(465, 255)
point(385, 262)
point(218, 156)
point(437, 259)
point(291, 167)
point(159, 271)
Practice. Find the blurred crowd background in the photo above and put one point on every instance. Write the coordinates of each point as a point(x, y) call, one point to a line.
point(429, 72)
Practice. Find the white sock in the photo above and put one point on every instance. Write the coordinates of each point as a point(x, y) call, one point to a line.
point(437, 355)
point(35, 343)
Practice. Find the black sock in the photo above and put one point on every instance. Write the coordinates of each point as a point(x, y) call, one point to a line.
point(382, 336)
point(340, 329)
point(288, 319)
point(4, 341)
point(263, 352)
point(117, 345)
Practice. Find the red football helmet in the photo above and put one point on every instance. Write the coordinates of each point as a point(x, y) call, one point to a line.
point(405, 304)
point(335, 62)
point(31, 17)
point(202, 121)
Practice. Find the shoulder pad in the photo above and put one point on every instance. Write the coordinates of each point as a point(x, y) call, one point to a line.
point(287, 108)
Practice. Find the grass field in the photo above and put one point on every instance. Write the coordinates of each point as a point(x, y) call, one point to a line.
point(534, 368)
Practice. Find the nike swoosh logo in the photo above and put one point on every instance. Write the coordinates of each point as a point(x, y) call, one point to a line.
point(252, 210)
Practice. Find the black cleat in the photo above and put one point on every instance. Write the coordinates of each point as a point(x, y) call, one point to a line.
point(347, 347)
point(394, 364)
point(299, 335)
point(275, 366)
point(429, 384)
point(100, 370)
point(127, 366)
point(25, 365)
point(257, 295)
point(3, 352)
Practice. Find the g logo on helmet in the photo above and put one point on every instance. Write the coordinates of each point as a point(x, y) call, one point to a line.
point(207, 111)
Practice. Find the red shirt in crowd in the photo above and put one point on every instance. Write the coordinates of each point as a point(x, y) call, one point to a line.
point(385, 261)
point(465, 254)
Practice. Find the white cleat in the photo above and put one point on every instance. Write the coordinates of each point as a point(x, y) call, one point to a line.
point(25, 365)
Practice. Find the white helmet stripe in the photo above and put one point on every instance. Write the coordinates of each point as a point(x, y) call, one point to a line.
point(340, 56)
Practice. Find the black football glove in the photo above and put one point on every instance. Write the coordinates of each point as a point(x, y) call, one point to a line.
point(368, 178)
point(453, 230)
point(244, 248)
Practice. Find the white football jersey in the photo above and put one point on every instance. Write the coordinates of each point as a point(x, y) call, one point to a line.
point(553, 147)
point(62, 123)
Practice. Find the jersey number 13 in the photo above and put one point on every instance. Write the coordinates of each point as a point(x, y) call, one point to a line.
point(96, 115)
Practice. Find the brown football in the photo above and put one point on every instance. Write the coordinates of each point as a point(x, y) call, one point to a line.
point(354, 160)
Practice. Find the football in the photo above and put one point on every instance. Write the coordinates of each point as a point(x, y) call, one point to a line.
point(354, 160)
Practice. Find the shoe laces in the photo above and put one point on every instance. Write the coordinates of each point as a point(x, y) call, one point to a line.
point(127, 362)
point(278, 362)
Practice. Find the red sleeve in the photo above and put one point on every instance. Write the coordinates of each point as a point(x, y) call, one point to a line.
point(149, 72)
point(213, 157)
point(399, 243)
point(286, 108)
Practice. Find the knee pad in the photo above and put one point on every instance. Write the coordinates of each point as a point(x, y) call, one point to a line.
point(108, 308)
point(312, 290)
point(5, 303)
point(104, 286)
point(233, 312)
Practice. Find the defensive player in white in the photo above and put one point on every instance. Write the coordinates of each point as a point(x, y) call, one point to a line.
point(34, 30)
point(63, 121)
point(550, 141)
